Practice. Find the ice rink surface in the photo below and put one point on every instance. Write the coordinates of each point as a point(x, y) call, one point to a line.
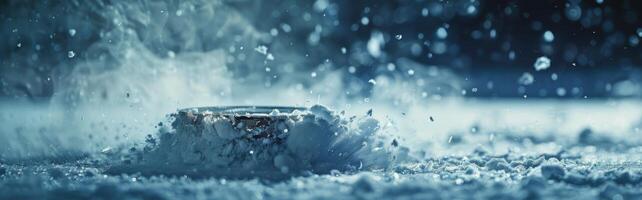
point(471, 149)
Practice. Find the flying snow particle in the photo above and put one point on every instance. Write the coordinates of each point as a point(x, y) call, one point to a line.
point(548, 36)
point(365, 21)
point(398, 36)
point(511, 55)
point(391, 67)
point(633, 40)
point(542, 63)
point(71, 54)
point(352, 69)
point(411, 72)
point(375, 43)
point(261, 49)
point(424, 12)
point(561, 92)
point(286, 28)
point(471, 9)
point(573, 12)
point(493, 33)
point(72, 32)
point(526, 79)
point(442, 33)
point(372, 81)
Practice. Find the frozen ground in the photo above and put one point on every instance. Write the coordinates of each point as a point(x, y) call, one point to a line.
point(519, 149)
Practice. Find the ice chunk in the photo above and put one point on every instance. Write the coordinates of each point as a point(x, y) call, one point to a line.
point(71, 54)
point(553, 171)
point(498, 164)
point(372, 81)
point(542, 63)
point(224, 129)
point(365, 184)
point(261, 49)
point(526, 79)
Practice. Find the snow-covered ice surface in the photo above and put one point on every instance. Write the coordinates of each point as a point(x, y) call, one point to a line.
point(520, 149)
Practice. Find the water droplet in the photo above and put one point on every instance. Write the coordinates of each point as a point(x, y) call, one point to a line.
point(398, 36)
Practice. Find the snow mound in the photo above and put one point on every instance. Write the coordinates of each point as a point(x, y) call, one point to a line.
point(316, 140)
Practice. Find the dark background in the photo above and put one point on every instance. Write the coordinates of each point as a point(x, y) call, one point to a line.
point(591, 53)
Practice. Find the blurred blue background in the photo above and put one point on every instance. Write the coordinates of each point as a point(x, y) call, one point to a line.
point(491, 46)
